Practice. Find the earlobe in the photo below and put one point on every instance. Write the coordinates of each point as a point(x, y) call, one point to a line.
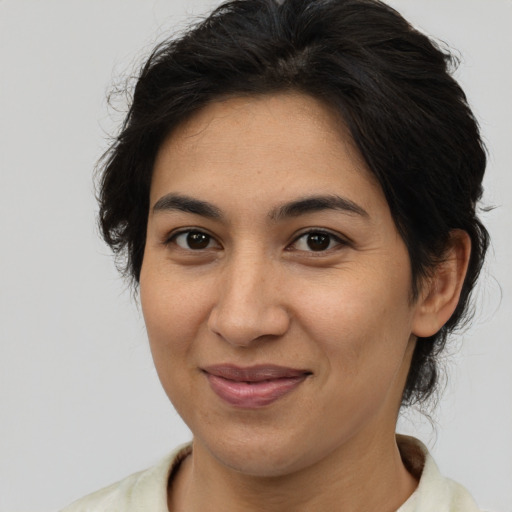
point(441, 292)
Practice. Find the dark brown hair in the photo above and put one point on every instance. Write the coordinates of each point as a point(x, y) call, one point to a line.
point(389, 83)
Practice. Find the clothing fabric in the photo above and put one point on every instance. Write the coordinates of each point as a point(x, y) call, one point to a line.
point(147, 490)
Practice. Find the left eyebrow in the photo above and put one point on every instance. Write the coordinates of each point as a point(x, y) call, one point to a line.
point(316, 204)
point(173, 202)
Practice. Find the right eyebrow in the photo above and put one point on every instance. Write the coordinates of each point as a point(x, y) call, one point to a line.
point(178, 202)
point(311, 204)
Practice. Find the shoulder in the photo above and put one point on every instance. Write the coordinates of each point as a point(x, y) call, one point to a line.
point(434, 492)
point(145, 490)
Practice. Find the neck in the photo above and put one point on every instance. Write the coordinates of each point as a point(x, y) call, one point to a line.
point(366, 475)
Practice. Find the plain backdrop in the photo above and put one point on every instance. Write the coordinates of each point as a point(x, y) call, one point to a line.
point(80, 402)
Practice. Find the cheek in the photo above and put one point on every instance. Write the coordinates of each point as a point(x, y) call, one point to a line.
point(173, 311)
point(361, 325)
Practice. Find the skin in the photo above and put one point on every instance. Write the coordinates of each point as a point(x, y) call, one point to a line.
point(257, 293)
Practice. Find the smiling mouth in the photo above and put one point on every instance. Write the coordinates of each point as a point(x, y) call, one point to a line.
point(255, 386)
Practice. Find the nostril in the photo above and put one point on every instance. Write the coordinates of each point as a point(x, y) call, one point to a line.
point(244, 326)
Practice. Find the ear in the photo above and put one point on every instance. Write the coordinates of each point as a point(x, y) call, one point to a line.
point(440, 292)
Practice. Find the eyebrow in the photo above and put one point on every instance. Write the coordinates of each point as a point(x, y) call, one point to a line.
point(303, 206)
point(176, 202)
point(316, 204)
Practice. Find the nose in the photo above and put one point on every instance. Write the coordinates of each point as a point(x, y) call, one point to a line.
point(250, 304)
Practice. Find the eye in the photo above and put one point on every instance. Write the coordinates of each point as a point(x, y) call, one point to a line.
point(194, 240)
point(317, 241)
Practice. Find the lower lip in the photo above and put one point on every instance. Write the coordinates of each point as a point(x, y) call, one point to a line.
point(254, 394)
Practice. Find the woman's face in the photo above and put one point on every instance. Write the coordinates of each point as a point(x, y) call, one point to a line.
point(275, 287)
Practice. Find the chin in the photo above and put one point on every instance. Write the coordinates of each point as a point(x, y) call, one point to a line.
point(262, 453)
point(256, 460)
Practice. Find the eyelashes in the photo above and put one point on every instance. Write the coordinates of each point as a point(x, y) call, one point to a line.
point(317, 241)
point(194, 240)
point(313, 241)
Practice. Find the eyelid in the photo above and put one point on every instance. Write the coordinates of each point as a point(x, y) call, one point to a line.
point(171, 237)
point(341, 240)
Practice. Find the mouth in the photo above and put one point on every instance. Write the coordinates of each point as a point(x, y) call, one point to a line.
point(255, 386)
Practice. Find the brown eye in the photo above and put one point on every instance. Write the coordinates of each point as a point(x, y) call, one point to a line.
point(193, 240)
point(317, 241)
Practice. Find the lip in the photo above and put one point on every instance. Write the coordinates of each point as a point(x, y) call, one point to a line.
point(254, 386)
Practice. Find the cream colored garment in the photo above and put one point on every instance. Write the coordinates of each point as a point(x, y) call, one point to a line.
point(147, 490)
point(435, 493)
point(140, 492)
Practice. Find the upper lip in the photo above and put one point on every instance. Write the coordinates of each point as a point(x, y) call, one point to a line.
point(255, 373)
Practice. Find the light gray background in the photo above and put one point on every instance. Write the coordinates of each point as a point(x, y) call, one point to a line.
point(81, 405)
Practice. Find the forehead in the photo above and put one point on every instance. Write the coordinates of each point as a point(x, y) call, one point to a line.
point(288, 142)
point(275, 116)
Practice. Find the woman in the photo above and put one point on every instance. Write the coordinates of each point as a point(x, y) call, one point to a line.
point(294, 191)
